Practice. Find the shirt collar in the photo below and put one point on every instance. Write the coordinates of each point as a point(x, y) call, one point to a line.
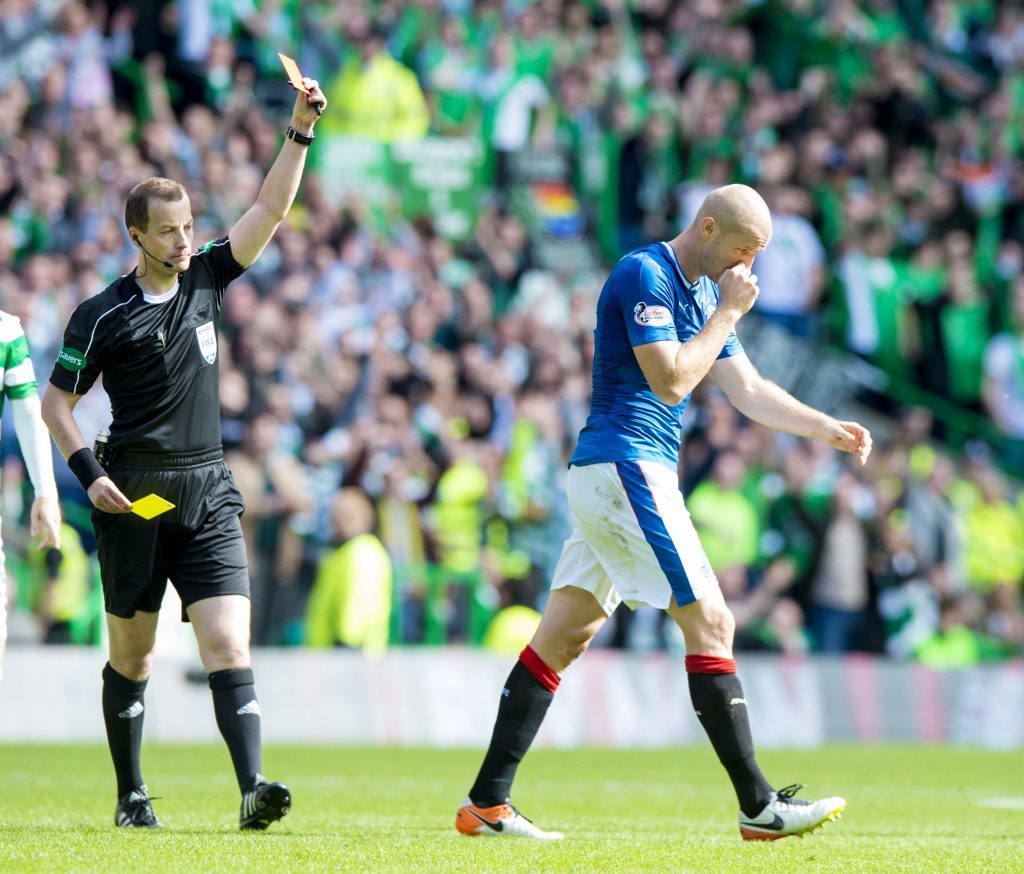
point(689, 286)
point(134, 288)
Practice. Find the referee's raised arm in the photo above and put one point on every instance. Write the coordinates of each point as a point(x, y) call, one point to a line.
point(253, 230)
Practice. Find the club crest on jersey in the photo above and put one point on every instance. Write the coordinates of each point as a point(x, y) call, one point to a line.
point(652, 316)
point(206, 335)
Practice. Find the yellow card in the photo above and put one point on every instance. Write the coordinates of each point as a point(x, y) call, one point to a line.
point(150, 506)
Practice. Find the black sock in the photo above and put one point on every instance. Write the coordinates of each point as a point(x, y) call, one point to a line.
point(123, 712)
point(238, 718)
point(728, 728)
point(524, 701)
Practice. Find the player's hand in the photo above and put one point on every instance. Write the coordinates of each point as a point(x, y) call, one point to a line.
point(107, 497)
point(45, 522)
point(850, 437)
point(305, 114)
point(737, 290)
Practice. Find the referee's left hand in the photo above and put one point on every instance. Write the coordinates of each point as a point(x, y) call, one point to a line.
point(44, 522)
point(107, 497)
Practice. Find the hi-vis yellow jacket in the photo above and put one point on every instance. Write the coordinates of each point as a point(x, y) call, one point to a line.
point(381, 101)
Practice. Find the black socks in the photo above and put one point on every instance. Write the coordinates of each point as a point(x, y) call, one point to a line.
point(238, 718)
point(525, 699)
point(123, 712)
point(718, 701)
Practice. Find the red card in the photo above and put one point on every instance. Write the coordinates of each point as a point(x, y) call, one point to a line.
point(294, 76)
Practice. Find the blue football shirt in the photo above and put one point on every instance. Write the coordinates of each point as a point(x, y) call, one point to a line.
point(645, 299)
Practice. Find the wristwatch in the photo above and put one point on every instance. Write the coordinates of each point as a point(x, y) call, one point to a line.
point(301, 139)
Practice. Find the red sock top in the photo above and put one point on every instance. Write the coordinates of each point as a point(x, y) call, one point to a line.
point(705, 664)
point(535, 665)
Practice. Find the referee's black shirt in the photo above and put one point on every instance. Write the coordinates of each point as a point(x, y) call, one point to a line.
point(158, 360)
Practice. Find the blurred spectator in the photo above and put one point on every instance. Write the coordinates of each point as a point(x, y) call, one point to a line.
point(871, 284)
point(457, 524)
point(994, 536)
point(374, 95)
point(954, 327)
point(797, 514)
point(451, 76)
point(648, 165)
point(765, 619)
point(350, 604)
point(511, 629)
point(1003, 388)
point(401, 531)
point(89, 55)
point(910, 588)
point(1005, 619)
point(275, 490)
point(933, 524)
point(839, 588)
point(63, 583)
point(724, 517)
point(511, 98)
point(456, 517)
point(791, 271)
point(956, 644)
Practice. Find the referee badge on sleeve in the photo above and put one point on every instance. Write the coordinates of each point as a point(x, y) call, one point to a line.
point(206, 336)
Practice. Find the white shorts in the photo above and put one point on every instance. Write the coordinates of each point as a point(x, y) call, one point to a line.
point(632, 538)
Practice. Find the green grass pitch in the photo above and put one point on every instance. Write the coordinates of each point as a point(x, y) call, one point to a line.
point(910, 809)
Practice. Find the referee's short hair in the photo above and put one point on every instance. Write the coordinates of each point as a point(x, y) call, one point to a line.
point(136, 209)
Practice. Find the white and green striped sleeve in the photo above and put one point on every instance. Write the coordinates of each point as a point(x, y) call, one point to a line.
point(19, 381)
point(19, 375)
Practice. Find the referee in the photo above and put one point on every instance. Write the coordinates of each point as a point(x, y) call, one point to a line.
point(153, 336)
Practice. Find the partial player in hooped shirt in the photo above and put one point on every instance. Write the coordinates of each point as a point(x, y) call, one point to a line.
point(18, 385)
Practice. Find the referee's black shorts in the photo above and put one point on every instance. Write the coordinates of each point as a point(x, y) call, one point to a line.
point(198, 545)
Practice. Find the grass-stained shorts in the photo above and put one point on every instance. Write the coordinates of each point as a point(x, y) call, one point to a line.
point(632, 538)
point(198, 545)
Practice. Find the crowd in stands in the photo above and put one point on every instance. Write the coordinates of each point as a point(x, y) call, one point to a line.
point(398, 411)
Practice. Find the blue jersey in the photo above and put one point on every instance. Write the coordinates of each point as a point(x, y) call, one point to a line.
point(645, 299)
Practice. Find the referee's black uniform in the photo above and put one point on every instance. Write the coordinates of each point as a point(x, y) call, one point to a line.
point(158, 357)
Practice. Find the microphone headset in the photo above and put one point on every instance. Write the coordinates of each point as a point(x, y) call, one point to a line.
point(166, 264)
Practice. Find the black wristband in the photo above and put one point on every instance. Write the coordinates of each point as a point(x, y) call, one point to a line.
point(301, 139)
point(85, 467)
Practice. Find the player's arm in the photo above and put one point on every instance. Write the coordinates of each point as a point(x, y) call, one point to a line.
point(20, 387)
point(672, 368)
point(57, 411)
point(252, 232)
point(44, 516)
point(763, 401)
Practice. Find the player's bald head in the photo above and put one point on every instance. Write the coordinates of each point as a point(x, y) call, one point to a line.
point(737, 209)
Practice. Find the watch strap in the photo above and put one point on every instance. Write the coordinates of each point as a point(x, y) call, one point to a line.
point(301, 139)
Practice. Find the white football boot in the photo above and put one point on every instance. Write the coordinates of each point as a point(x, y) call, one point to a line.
point(785, 815)
point(502, 820)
